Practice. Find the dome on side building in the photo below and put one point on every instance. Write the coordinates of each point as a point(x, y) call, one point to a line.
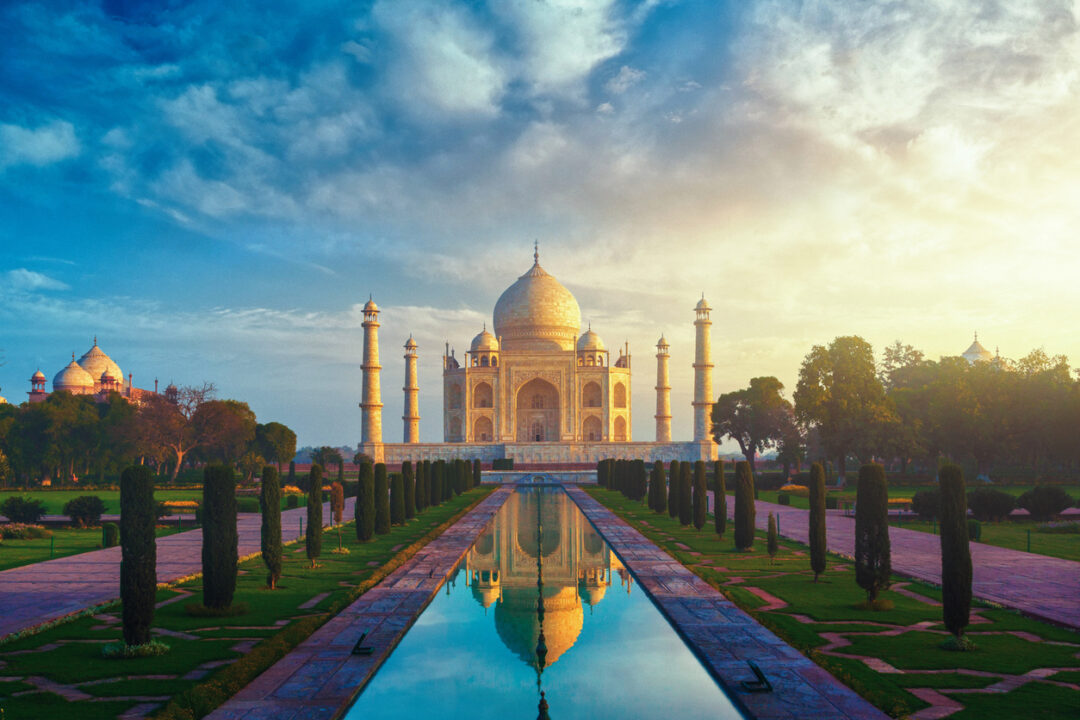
point(485, 341)
point(537, 313)
point(590, 341)
point(73, 379)
point(97, 363)
point(977, 353)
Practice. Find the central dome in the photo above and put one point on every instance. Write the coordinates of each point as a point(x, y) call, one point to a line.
point(537, 313)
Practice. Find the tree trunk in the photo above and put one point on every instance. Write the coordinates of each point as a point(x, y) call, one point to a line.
point(179, 461)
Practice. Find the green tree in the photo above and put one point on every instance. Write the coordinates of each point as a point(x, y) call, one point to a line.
point(840, 394)
point(225, 429)
point(955, 552)
point(270, 535)
point(872, 551)
point(772, 543)
point(397, 499)
point(276, 442)
point(686, 508)
point(382, 501)
point(138, 553)
point(701, 494)
point(409, 483)
point(313, 537)
point(337, 501)
point(755, 417)
point(365, 503)
point(673, 489)
point(817, 519)
point(719, 498)
point(220, 538)
point(744, 506)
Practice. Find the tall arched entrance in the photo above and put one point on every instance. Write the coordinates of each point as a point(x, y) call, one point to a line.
point(537, 412)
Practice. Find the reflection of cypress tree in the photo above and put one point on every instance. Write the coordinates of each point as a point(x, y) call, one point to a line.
point(719, 498)
point(410, 489)
point(686, 509)
point(365, 502)
point(701, 494)
point(673, 490)
point(382, 501)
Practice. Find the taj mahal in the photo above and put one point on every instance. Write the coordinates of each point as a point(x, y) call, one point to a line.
point(536, 389)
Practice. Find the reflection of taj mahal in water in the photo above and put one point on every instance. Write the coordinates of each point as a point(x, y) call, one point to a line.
point(501, 570)
point(537, 391)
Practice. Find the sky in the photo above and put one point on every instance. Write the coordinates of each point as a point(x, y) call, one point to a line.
point(214, 189)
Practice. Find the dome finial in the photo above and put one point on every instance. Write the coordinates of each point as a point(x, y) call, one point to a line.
point(976, 336)
point(95, 341)
point(536, 252)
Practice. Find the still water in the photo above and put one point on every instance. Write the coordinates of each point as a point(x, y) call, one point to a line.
point(607, 652)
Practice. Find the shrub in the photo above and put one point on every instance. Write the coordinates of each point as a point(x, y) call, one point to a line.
point(337, 501)
point(21, 531)
point(989, 504)
point(974, 530)
point(292, 501)
point(701, 494)
point(796, 490)
point(927, 504)
point(744, 506)
point(686, 508)
point(126, 651)
point(783, 499)
point(24, 510)
point(1045, 501)
point(673, 490)
point(382, 501)
point(365, 503)
point(162, 510)
point(817, 519)
point(397, 499)
point(719, 498)
point(110, 535)
point(872, 552)
point(502, 464)
point(138, 553)
point(772, 543)
point(219, 550)
point(247, 505)
point(1059, 528)
point(955, 553)
point(313, 536)
point(831, 502)
point(409, 485)
point(270, 531)
point(85, 510)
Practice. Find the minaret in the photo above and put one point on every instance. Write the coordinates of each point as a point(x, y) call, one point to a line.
point(703, 366)
point(663, 392)
point(412, 391)
point(371, 404)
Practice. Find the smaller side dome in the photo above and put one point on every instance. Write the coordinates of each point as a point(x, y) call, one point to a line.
point(371, 306)
point(38, 377)
point(590, 341)
point(662, 342)
point(410, 344)
point(702, 304)
point(484, 342)
point(73, 378)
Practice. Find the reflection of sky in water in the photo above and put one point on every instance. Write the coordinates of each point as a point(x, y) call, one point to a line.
point(616, 659)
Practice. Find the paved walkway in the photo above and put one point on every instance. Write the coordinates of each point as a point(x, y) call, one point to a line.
point(1037, 585)
point(723, 636)
point(321, 677)
point(34, 594)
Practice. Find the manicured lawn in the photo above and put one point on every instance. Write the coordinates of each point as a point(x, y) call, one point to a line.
point(64, 542)
point(1013, 534)
point(274, 624)
point(56, 499)
point(847, 495)
point(821, 620)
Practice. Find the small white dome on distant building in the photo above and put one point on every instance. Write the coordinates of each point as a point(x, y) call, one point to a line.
point(73, 379)
point(97, 363)
point(977, 353)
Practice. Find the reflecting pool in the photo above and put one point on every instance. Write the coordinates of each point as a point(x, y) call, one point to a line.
point(540, 604)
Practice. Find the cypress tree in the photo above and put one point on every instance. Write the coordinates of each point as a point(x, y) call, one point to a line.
point(341, 476)
point(429, 484)
point(410, 489)
point(701, 494)
point(382, 500)
point(719, 498)
point(601, 473)
point(291, 480)
point(397, 499)
point(673, 490)
point(744, 506)
point(660, 493)
point(220, 537)
point(337, 501)
point(436, 482)
point(652, 488)
point(459, 476)
point(477, 473)
point(817, 519)
point(641, 480)
point(365, 503)
point(448, 481)
point(270, 535)
point(773, 542)
point(955, 553)
point(138, 550)
point(872, 551)
point(422, 481)
point(313, 537)
point(686, 507)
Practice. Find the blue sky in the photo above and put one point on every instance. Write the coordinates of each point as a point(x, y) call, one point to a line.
point(213, 189)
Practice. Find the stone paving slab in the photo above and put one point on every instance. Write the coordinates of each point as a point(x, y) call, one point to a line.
point(321, 677)
point(725, 637)
point(1043, 587)
point(34, 594)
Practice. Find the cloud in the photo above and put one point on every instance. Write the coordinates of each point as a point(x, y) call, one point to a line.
point(30, 281)
point(44, 145)
point(626, 78)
